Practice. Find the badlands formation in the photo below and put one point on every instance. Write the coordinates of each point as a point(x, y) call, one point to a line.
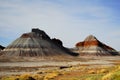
point(35, 56)
point(36, 44)
point(92, 46)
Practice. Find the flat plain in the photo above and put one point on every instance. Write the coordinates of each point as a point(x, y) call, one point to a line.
point(73, 69)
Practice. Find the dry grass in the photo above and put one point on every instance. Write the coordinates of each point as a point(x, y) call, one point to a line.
point(97, 70)
point(73, 73)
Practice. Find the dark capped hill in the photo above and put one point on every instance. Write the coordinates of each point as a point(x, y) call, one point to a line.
point(36, 44)
point(1, 47)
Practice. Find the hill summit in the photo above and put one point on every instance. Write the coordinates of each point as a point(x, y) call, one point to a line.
point(92, 46)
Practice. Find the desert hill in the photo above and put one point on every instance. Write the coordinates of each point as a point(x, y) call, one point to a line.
point(36, 44)
point(92, 46)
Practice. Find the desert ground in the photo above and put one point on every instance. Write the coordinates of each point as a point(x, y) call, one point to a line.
point(71, 69)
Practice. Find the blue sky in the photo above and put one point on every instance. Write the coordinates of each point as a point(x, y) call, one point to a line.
point(69, 20)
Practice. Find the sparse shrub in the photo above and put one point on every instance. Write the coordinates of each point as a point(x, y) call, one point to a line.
point(94, 77)
point(102, 71)
point(10, 78)
point(92, 71)
point(26, 76)
point(112, 75)
point(37, 77)
point(50, 76)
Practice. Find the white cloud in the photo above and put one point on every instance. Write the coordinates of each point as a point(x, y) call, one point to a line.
point(69, 23)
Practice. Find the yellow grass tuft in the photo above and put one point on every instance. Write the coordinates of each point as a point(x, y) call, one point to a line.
point(92, 71)
point(50, 76)
point(102, 71)
point(113, 75)
point(24, 76)
point(10, 78)
point(37, 77)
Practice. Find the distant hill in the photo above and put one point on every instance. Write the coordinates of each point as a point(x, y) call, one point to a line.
point(92, 46)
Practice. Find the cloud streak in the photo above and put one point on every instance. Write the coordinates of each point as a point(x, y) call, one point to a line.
point(69, 20)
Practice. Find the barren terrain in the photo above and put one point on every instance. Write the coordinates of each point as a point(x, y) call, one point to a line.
point(8, 68)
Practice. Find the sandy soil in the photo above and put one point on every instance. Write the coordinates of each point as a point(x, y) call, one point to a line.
point(16, 68)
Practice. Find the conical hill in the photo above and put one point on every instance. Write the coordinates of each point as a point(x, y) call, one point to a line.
point(35, 44)
point(92, 46)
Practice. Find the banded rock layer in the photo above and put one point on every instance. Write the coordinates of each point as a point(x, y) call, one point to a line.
point(35, 43)
point(92, 46)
